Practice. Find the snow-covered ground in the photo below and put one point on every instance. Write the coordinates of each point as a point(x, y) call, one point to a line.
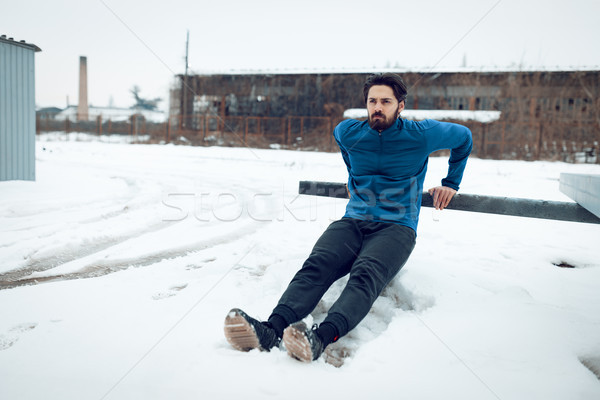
point(120, 263)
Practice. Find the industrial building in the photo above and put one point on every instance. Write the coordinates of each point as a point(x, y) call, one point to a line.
point(551, 115)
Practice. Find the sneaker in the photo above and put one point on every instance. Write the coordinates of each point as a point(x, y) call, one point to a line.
point(245, 333)
point(302, 343)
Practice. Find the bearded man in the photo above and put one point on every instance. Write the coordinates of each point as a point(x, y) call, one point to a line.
point(386, 157)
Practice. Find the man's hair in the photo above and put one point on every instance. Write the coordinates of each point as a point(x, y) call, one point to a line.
point(387, 79)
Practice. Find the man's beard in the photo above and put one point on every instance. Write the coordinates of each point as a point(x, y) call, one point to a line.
point(382, 124)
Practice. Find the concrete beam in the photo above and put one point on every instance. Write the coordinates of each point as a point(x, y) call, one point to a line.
point(554, 210)
point(584, 189)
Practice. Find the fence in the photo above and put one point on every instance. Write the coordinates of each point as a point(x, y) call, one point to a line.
point(135, 125)
point(557, 141)
point(498, 140)
point(308, 133)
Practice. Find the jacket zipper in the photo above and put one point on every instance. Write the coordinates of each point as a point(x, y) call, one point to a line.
point(380, 152)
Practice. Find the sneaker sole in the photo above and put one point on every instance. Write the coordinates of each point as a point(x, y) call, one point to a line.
point(239, 333)
point(297, 344)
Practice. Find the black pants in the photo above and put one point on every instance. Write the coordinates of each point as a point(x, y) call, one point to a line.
point(371, 252)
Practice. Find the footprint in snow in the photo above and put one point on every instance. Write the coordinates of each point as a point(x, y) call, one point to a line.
point(171, 292)
point(190, 267)
point(14, 334)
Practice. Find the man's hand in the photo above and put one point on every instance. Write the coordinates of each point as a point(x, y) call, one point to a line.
point(441, 196)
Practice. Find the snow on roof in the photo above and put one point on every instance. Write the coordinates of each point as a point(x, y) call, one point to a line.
point(399, 70)
point(483, 116)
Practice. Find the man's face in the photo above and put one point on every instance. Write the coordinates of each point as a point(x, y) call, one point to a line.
point(383, 107)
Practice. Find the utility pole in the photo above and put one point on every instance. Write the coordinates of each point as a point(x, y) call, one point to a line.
point(187, 47)
point(185, 81)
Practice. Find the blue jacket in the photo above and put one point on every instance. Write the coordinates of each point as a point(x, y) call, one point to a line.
point(386, 170)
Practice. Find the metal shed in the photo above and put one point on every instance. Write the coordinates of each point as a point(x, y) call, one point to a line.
point(17, 109)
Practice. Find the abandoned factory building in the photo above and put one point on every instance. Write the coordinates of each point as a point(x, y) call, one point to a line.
point(541, 113)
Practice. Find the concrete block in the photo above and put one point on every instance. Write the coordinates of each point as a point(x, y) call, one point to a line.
point(584, 189)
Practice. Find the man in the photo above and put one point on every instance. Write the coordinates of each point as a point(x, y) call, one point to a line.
point(386, 158)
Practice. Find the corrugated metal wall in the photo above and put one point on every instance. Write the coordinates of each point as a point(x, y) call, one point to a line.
point(17, 111)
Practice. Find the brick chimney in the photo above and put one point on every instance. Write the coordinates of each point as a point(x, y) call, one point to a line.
point(82, 107)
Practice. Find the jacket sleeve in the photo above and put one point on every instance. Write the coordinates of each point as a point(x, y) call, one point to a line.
point(459, 140)
point(336, 135)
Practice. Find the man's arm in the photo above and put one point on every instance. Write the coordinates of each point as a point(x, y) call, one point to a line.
point(459, 140)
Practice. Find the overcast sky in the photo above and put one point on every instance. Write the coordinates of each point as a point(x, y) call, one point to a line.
point(134, 42)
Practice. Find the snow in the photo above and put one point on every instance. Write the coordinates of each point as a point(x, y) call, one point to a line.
point(134, 254)
point(483, 116)
point(112, 113)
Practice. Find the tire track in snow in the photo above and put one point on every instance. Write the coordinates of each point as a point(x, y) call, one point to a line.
point(104, 267)
point(66, 254)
